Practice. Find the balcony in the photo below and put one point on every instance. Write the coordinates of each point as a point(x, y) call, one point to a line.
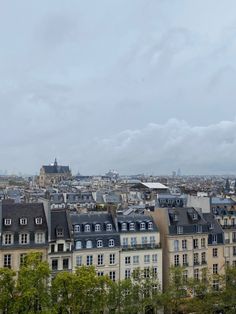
point(135, 247)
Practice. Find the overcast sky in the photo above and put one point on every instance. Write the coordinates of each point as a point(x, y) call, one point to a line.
point(140, 86)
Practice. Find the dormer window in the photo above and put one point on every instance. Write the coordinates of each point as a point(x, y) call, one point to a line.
point(199, 228)
point(109, 227)
point(142, 226)
point(150, 225)
point(111, 243)
point(7, 222)
point(78, 245)
point(99, 243)
point(23, 221)
point(131, 226)
point(123, 226)
point(211, 227)
point(60, 232)
point(195, 217)
point(179, 229)
point(76, 228)
point(38, 220)
point(89, 244)
point(87, 228)
point(97, 227)
point(175, 217)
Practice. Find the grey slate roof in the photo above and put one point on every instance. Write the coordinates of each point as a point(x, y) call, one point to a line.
point(60, 219)
point(50, 169)
point(136, 219)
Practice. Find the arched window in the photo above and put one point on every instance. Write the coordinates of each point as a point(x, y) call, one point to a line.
point(87, 228)
point(76, 228)
point(111, 243)
point(97, 227)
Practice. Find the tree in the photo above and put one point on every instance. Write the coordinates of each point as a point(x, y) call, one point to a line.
point(228, 295)
point(7, 290)
point(32, 285)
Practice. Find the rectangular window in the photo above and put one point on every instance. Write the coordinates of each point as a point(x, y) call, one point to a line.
point(8, 238)
point(146, 272)
point(146, 259)
point(54, 264)
point(214, 238)
point(195, 243)
point(135, 259)
point(203, 257)
point(185, 259)
point(234, 250)
point(112, 259)
point(22, 258)
point(7, 260)
point(176, 260)
point(215, 252)
point(215, 269)
point(24, 238)
point(195, 259)
point(60, 247)
point(133, 241)
point(7, 222)
point(38, 221)
point(127, 260)
point(144, 240)
point(127, 273)
point(39, 237)
point(23, 221)
point(125, 242)
point(89, 260)
point(154, 258)
point(52, 248)
point(100, 259)
point(176, 245)
point(184, 244)
point(203, 242)
point(65, 263)
point(180, 230)
point(196, 274)
point(78, 260)
point(112, 275)
point(152, 240)
point(185, 276)
point(60, 232)
point(100, 273)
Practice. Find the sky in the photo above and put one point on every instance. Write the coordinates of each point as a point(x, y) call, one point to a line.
point(140, 86)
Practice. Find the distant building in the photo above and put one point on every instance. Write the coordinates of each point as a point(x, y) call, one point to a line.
point(53, 174)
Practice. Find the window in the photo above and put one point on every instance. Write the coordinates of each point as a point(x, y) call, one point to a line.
point(111, 243)
point(214, 238)
point(185, 259)
point(100, 259)
point(146, 272)
point(127, 273)
point(7, 222)
point(8, 238)
point(125, 242)
point(89, 244)
point(133, 241)
point(196, 274)
point(195, 243)
point(176, 245)
point(185, 276)
point(7, 260)
point(203, 257)
point(144, 240)
point(78, 245)
point(154, 258)
point(22, 258)
point(146, 259)
point(60, 232)
point(112, 259)
point(123, 226)
point(60, 247)
point(87, 228)
point(78, 260)
point(180, 230)
point(89, 260)
point(203, 242)
point(195, 259)
point(154, 271)
point(52, 248)
point(215, 252)
point(199, 228)
point(127, 260)
point(135, 259)
point(23, 221)
point(109, 227)
point(215, 285)
point(176, 260)
point(215, 269)
point(65, 263)
point(76, 228)
point(38, 220)
point(131, 226)
point(142, 226)
point(225, 222)
point(234, 236)
point(184, 244)
point(112, 275)
point(54, 264)
point(150, 225)
point(39, 237)
point(100, 273)
point(234, 250)
point(152, 240)
point(24, 238)
point(195, 216)
point(99, 243)
point(97, 227)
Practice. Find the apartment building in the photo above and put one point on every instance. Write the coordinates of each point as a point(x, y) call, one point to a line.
point(189, 239)
point(96, 242)
point(140, 246)
point(23, 229)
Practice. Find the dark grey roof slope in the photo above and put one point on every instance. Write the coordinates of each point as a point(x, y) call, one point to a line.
point(136, 219)
point(56, 169)
point(60, 219)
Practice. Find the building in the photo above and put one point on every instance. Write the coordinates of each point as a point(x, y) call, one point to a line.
point(53, 174)
point(24, 229)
